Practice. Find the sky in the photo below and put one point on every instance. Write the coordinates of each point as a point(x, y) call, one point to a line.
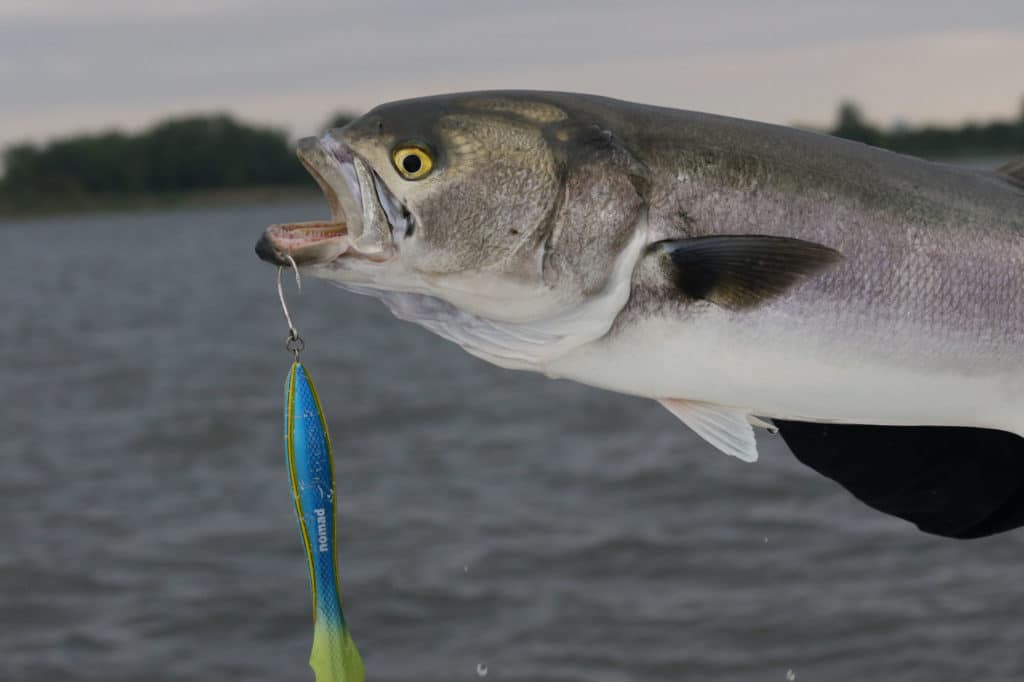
point(68, 66)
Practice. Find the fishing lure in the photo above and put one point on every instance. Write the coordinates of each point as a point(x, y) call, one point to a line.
point(307, 444)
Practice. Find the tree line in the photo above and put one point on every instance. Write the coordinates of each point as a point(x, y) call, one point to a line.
point(218, 152)
point(175, 156)
point(997, 138)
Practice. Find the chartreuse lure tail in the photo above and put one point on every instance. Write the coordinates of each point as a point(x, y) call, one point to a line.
point(308, 448)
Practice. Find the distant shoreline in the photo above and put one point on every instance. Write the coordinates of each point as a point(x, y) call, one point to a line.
point(164, 201)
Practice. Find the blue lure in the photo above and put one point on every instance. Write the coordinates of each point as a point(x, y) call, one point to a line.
point(334, 657)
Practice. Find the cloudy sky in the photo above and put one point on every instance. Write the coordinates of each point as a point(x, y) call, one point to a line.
point(73, 65)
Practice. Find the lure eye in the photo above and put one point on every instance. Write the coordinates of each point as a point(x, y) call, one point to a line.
point(412, 163)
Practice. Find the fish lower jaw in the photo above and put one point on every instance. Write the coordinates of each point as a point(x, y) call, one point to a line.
point(314, 242)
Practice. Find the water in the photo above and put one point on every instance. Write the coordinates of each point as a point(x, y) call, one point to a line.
point(490, 520)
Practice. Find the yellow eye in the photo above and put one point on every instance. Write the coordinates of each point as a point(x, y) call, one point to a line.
point(413, 163)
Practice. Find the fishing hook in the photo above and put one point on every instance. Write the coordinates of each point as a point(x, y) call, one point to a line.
point(293, 342)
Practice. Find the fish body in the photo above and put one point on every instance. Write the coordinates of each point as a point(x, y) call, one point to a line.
point(726, 268)
point(921, 322)
point(334, 657)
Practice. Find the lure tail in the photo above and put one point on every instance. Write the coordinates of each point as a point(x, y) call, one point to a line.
point(308, 448)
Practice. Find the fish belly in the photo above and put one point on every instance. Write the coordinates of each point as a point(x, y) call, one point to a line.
point(794, 374)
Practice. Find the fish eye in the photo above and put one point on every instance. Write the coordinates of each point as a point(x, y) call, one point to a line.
point(412, 162)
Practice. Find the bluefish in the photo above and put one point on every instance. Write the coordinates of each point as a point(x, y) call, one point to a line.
point(733, 271)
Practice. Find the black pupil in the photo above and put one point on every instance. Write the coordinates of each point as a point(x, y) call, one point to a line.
point(412, 164)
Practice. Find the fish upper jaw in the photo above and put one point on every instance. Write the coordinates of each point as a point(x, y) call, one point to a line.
point(366, 218)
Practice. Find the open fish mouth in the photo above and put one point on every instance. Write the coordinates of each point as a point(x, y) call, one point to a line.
point(364, 212)
point(316, 241)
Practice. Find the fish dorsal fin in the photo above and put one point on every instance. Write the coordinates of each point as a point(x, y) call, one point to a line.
point(1014, 171)
point(741, 271)
point(727, 428)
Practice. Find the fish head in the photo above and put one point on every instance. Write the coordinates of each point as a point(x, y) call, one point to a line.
point(489, 210)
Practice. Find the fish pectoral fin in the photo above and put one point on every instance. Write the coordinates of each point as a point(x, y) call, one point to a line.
point(727, 428)
point(741, 271)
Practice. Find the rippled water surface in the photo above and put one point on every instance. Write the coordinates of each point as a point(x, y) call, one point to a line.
point(490, 521)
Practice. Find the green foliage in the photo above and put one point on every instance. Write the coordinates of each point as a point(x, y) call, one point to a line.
point(72, 167)
point(850, 124)
point(178, 155)
point(216, 152)
point(999, 138)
